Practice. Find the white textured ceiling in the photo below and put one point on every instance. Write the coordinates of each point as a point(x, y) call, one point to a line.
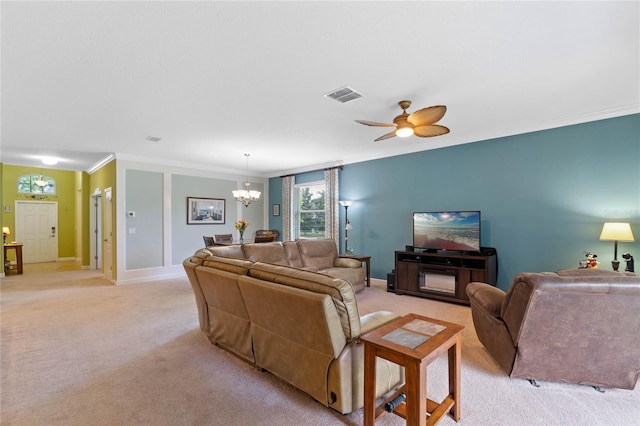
point(216, 80)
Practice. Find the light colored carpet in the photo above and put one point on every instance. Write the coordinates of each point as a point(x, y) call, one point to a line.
point(78, 351)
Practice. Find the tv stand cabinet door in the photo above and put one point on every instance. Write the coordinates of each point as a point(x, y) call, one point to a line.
point(406, 276)
point(465, 276)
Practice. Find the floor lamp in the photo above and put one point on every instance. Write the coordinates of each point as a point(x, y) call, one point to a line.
point(347, 225)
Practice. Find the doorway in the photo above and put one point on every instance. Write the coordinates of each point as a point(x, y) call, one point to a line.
point(108, 235)
point(96, 231)
point(37, 229)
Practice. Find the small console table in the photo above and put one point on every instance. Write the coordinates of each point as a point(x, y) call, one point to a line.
point(366, 261)
point(17, 247)
point(413, 342)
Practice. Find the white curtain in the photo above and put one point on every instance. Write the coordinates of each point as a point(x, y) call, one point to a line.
point(288, 215)
point(331, 206)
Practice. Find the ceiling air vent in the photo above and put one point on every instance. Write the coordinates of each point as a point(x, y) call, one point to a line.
point(343, 95)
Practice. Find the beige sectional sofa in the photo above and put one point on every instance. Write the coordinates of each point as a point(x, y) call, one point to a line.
point(312, 255)
point(301, 325)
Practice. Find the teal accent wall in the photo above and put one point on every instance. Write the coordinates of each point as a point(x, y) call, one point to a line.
point(543, 195)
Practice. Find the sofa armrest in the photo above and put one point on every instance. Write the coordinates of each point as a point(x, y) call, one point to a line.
point(486, 297)
point(342, 262)
point(374, 320)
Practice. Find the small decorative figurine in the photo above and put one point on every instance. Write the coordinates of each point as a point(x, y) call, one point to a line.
point(629, 259)
point(590, 261)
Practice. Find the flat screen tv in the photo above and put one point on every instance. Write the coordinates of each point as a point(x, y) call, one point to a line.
point(456, 230)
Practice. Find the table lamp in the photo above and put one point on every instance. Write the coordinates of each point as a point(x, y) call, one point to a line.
point(615, 231)
point(5, 232)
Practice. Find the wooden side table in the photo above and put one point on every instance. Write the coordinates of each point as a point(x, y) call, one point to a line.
point(366, 261)
point(413, 342)
point(17, 247)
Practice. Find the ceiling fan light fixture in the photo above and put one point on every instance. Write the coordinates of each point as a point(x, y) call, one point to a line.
point(420, 123)
point(404, 132)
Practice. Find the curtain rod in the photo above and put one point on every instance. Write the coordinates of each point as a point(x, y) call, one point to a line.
point(341, 167)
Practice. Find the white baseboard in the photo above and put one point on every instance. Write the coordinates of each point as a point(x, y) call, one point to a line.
point(150, 274)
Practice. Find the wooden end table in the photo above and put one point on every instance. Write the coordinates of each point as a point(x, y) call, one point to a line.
point(365, 260)
point(413, 342)
point(17, 247)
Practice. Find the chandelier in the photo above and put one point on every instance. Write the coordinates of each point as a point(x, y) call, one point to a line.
point(246, 196)
point(41, 182)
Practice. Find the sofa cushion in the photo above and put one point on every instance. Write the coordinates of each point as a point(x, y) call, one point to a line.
point(234, 251)
point(293, 254)
point(352, 275)
point(236, 266)
point(341, 291)
point(320, 254)
point(229, 323)
point(266, 252)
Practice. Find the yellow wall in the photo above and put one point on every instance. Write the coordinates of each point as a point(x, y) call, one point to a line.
point(71, 187)
point(65, 197)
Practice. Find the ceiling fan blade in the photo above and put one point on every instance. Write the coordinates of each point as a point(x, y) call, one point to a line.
point(373, 123)
point(386, 136)
point(429, 131)
point(426, 116)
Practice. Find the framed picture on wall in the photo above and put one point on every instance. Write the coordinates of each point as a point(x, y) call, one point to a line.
point(276, 209)
point(205, 211)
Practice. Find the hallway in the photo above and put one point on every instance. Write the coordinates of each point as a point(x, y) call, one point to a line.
point(41, 276)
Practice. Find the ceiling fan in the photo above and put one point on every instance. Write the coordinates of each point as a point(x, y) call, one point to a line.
point(420, 123)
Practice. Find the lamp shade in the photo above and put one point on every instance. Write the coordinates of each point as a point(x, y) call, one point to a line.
point(346, 203)
point(615, 231)
point(6, 230)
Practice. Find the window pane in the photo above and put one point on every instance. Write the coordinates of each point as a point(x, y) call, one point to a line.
point(312, 224)
point(310, 217)
point(36, 184)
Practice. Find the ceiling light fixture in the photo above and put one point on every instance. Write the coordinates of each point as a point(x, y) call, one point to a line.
point(404, 130)
point(246, 196)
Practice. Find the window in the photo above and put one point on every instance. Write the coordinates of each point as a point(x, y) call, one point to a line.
point(36, 184)
point(310, 212)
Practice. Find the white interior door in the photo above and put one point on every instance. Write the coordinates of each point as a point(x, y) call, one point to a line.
point(37, 229)
point(107, 260)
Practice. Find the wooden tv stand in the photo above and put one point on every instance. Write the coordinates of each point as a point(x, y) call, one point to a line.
point(442, 275)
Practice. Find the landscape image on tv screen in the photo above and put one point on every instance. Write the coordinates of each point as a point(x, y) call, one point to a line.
point(447, 230)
